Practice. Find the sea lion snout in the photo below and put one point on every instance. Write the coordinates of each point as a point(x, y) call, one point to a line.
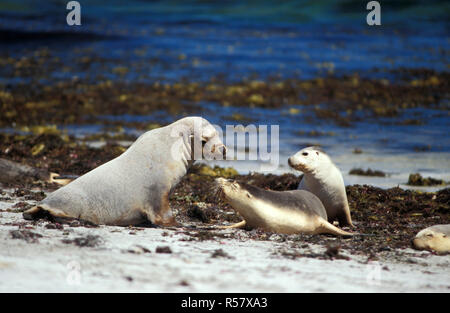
point(229, 187)
point(423, 242)
point(214, 149)
point(416, 243)
point(221, 150)
point(221, 182)
point(295, 163)
point(222, 186)
point(291, 162)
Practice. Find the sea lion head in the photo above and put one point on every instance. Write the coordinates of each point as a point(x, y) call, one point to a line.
point(203, 138)
point(309, 159)
point(232, 191)
point(432, 239)
point(212, 145)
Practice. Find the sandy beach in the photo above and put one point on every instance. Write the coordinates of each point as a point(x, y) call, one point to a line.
point(41, 256)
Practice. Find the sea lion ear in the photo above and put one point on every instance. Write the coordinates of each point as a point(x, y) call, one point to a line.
point(249, 195)
point(317, 152)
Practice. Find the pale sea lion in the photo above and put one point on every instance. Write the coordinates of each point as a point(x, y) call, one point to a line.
point(323, 178)
point(434, 238)
point(288, 212)
point(134, 187)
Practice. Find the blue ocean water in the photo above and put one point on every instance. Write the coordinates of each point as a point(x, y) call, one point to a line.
point(169, 41)
point(237, 39)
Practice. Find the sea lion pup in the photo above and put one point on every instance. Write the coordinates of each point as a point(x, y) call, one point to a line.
point(434, 238)
point(13, 172)
point(323, 178)
point(287, 212)
point(134, 187)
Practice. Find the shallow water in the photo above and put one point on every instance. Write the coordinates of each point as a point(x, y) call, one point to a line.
point(389, 148)
point(199, 41)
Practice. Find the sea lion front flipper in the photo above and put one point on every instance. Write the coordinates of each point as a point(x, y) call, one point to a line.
point(164, 216)
point(160, 213)
point(167, 220)
point(345, 219)
point(241, 224)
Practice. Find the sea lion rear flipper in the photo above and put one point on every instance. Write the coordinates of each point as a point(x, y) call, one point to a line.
point(43, 210)
point(59, 179)
point(241, 224)
point(328, 228)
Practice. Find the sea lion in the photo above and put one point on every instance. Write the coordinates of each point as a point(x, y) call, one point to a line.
point(434, 238)
point(287, 212)
point(134, 187)
point(13, 172)
point(323, 178)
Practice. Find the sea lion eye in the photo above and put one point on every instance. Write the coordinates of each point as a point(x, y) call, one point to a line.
point(429, 235)
point(305, 153)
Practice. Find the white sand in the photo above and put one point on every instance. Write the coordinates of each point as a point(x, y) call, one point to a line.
point(50, 265)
